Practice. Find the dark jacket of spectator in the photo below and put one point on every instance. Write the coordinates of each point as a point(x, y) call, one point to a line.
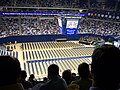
point(55, 82)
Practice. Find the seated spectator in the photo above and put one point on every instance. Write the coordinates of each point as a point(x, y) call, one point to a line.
point(9, 73)
point(45, 79)
point(32, 79)
point(84, 82)
point(54, 82)
point(73, 77)
point(99, 27)
point(66, 75)
point(26, 84)
point(73, 87)
point(105, 68)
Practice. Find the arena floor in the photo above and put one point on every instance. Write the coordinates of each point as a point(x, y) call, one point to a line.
point(35, 57)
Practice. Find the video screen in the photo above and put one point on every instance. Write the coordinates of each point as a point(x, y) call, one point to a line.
point(72, 23)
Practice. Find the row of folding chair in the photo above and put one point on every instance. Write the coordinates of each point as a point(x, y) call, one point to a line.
point(39, 68)
point(12, 53)
point(2, 52)
point(58, 53)
point(47, 45)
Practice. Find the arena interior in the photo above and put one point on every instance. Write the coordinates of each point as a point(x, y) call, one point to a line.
point(43, 32)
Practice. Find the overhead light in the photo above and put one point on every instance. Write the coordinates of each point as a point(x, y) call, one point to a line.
point(89, 14)
point(80, 10)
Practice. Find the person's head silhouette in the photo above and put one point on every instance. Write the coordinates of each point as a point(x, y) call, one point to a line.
point(9, 70)
point(83, 70)
point(105, 67)
point(53, 70)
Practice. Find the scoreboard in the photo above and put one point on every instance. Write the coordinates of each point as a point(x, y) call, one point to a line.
point(69, 25)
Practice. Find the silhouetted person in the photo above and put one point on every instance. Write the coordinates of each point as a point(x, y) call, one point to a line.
point(66, 75)
point(32, 79)
point(45, 79)
point(9, 73)
point(105, 68)
point(26, 84)
point(84, 82)
point(73, 77)
point(55, 82)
